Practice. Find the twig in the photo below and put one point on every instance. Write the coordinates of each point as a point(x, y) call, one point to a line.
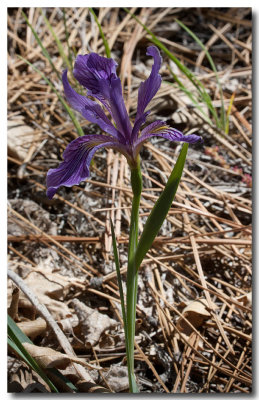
point(43, 311)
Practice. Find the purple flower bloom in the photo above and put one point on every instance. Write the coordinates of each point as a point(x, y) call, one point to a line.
point(98, 75)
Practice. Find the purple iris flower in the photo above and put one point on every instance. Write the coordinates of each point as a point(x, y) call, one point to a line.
point(98, 75)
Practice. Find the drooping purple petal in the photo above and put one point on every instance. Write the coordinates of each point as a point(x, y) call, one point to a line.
point(159, 128)
point(77, 157)
point(149, 88)
point(88, 108)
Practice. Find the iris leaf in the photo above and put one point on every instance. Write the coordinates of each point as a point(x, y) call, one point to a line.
point(129, 346)
point(161, 208)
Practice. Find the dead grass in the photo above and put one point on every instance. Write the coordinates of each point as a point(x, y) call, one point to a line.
point(203, 251)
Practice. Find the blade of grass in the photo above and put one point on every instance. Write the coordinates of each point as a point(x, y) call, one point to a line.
point(61, 51)
point(228, 113)
point(157, 42)
point(106, 45)
point(160, 209)
point(16, 332)
point(70, 57)
point(192, 34)
point(44, 51)
point(67, 108)
point(192, 78)
point(25, 356)
point(190, 95)
point(62, 377)
point(194, 101)
point(58, 42)
point(15, 340)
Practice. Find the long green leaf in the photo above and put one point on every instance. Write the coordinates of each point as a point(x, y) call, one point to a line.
point(132, 272)
point(191, 97)
point(130, 353)
point(161, 208)
point(59, 44)
point(14, 330)
point(26, 357)
point(15, 340)
point(21, 351)
point(106, 45)
point(188, 73)
point(198, 85)
point(44, 51)
point(70, 58)
point(67, 108)
point(192, 34)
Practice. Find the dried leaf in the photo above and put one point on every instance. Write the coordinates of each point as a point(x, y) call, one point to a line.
point(48, 289)
point(196, 312)
point(33, 328)
point(117, 378)
point(92, 322)
point(22, 378)
point(49, 358)
point(246, 299)
point(19, 138)
point(35, 213)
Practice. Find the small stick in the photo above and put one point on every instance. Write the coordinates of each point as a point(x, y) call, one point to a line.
point(42, 309)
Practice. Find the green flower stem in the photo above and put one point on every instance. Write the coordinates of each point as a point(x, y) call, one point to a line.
point(132, 274)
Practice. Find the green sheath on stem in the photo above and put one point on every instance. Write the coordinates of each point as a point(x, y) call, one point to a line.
point(139, 248)
point(132, 274)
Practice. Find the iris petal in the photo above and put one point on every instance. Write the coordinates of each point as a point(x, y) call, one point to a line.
point(98, 75)
point(149, 88)
point(88, 108)
point(159, 128)
point(77, 157)
point(118, 110)
point(139, 122)
point(95, 73)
